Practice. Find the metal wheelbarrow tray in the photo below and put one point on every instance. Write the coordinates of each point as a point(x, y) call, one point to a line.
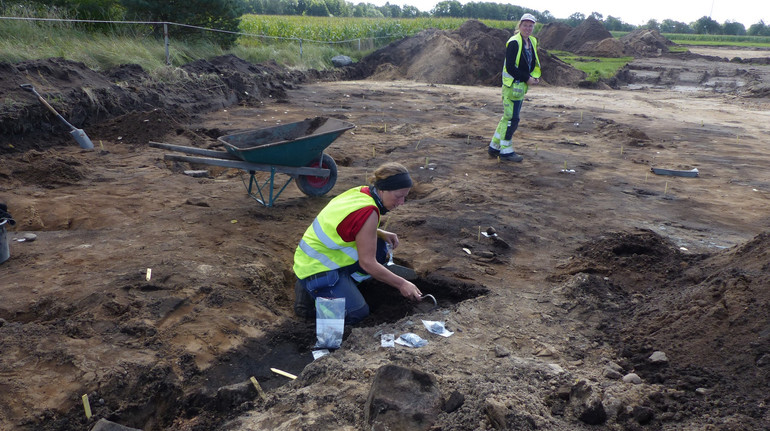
point(295, 149)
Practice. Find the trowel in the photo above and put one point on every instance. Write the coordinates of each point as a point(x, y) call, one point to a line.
point(80, 136)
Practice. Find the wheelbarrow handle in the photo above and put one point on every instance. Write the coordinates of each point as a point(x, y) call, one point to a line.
point(31, 88)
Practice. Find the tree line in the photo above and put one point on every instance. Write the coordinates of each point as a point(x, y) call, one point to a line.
point(225, 14)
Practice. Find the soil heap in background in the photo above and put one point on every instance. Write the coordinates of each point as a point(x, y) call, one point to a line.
point(552, 35)
point(471, 55)
point(590, 31)
point(645, 43)
point(592, 39)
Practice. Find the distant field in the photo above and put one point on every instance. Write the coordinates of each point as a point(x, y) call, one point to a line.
point(335, 29)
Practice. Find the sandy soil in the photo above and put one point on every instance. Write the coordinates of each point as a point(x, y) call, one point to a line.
point(598, 263)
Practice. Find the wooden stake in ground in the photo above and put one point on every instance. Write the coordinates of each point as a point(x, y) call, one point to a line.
point(86, 406)
point(259, 388)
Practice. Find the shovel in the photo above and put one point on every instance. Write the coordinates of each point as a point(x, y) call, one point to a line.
point(80, 136)
point(401, 271)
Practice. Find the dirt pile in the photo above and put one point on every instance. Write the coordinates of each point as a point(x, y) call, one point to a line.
point(552, 35)
point(655, 297)
point(592, 39)
point(589, 31)
point(645, 43)
point(86, 97)
point(471, 55)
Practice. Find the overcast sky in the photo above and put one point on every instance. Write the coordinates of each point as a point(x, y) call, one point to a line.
point(746, 12)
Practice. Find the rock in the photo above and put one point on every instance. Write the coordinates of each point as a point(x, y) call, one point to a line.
point(612, 374)
point(105, 425)
point(455, 401)
point(196, 173)
point(556, 368)
point(29, 237)
point(592, 413)
point(341, 61)
point(563, 392)
point(632, 378)
point(229, 397)
point(614, 366)
point(402, 399)
point(504, 417)
point(496, 412)
point(501, 352)
point(658, 357)
point(586, 404)
point(198, 202)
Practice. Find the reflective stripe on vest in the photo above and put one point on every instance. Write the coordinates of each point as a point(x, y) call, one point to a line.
point(321, 248)
point(507, 77)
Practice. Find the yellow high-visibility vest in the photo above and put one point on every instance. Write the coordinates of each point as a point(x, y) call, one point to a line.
point(536, 72)
point(321, 248)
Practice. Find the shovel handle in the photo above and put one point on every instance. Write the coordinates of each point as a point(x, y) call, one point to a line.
point(31, 88)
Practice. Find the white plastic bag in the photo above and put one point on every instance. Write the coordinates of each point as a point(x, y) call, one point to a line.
point(329, 322)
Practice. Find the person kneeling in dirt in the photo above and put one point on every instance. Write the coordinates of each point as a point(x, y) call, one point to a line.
point(344, 246)
point(520, 70)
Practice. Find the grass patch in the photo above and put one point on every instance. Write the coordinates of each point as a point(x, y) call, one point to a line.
point(595, 67)
point(711, 39)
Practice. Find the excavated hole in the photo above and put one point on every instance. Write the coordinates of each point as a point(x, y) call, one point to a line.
point(289, 347)
point(224, 389)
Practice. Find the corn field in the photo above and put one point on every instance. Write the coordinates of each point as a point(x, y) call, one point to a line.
point(333, 29)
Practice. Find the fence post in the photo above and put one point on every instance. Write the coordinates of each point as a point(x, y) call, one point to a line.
point(359, 44)
point(165, 36)
point(300, 49)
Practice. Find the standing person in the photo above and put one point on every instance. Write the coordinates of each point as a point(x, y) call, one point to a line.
point(520, 70)
point(344, 245)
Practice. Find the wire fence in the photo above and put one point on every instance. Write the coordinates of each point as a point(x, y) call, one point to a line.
point(358, 43)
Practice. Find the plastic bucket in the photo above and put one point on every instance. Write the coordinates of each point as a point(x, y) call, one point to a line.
point(5, 252)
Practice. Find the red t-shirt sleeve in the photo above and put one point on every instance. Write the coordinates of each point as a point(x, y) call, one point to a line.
point(351, 225)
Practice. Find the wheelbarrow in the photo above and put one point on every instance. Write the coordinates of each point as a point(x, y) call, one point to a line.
point(295, 149)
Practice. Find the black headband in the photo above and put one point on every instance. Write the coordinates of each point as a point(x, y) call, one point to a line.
point(394, 182)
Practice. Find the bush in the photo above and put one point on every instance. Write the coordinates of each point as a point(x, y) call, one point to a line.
point(216, 14)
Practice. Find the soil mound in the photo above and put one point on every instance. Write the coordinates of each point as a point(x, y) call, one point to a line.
point(707, 313)
point(471, 55)
point(591, 38)
point(86, 97)
point(590, 30)
point(552, 35)
point(645, 43)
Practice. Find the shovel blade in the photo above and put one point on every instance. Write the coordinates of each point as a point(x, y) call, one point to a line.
point(82, 139)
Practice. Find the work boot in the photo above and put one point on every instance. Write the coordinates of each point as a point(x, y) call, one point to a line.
point(511, 157)
point(304, 304)
point(493, 152)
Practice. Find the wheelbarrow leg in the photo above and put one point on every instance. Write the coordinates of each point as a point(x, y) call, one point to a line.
point(272, 197)
point(272, 181)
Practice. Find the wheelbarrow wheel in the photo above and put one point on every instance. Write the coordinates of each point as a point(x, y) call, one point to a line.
point(318, 186)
